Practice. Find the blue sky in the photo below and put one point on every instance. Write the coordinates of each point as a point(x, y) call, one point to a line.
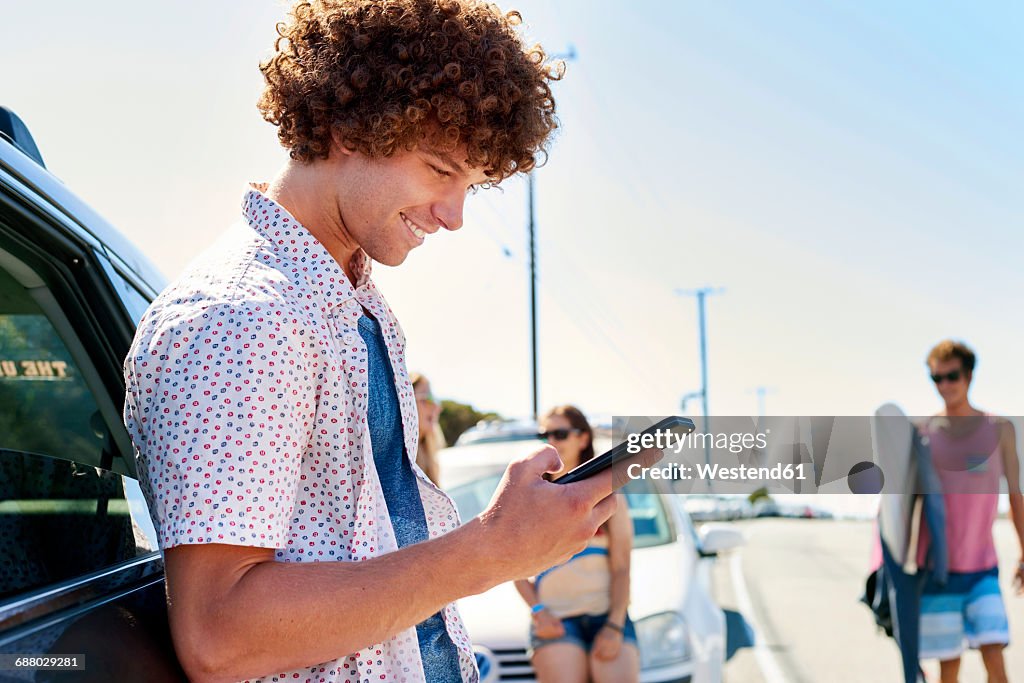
point(848, 172)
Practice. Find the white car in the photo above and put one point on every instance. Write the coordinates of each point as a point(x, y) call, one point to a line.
point(704, 507)
point(681, 630)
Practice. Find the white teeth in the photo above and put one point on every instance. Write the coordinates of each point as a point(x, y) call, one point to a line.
point(416, 230)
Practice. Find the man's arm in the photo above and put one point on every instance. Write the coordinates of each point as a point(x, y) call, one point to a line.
point(235, 613)
point(1011, 468)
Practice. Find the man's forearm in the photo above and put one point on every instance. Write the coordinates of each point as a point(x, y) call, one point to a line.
point(280, 616)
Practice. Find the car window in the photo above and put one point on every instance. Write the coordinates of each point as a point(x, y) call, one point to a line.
point(61, 519)
point(46, 406)
point(64, 511)
point(646, 508)
point(472, 497)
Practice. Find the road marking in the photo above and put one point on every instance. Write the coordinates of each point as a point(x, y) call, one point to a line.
point(765, 659)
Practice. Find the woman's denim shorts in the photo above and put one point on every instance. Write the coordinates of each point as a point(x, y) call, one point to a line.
point(582, 630)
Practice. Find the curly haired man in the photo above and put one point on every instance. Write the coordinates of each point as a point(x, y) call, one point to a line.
point(268, 398)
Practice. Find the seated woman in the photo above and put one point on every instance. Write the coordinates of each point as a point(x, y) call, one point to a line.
point(580, 630)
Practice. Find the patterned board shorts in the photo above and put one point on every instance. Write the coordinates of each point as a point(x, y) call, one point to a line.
point(968, 608)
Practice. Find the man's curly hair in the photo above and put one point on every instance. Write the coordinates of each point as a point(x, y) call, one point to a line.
point(387, 75)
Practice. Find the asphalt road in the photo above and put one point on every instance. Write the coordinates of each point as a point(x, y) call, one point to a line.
point(798, 582)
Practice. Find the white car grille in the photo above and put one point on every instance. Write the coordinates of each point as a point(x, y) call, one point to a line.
point(514, 665)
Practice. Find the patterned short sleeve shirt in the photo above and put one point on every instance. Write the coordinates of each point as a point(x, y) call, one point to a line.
point(246, 403)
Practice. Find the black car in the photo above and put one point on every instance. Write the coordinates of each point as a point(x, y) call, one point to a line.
point(81, 577)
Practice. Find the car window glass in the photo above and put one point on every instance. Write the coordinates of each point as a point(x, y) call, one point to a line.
point(471, 498)
point(45, 405)
point(647, 510)
point(61, 519)
point(63, 510)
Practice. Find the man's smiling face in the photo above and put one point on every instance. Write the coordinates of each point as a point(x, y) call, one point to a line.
point(388, 206)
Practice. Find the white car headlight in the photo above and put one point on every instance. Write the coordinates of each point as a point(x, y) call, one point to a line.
point(664, 639)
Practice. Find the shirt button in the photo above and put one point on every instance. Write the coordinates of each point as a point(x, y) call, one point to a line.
point(349, 338)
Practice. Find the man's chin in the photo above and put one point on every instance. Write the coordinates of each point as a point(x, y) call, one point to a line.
point(391, 259)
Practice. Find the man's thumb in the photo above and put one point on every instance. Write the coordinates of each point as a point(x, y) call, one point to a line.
point(545, 460)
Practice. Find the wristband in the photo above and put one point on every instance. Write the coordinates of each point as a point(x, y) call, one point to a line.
point(613, 626)
point(537, 608)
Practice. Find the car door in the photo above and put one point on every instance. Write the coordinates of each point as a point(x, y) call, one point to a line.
point(81, 577)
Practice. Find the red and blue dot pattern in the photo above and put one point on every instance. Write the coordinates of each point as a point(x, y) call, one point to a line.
point(246, 404)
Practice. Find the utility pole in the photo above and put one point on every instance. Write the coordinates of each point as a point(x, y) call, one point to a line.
point(533, 296)
point(568, 56)
point(701, 295)
point(761, 392)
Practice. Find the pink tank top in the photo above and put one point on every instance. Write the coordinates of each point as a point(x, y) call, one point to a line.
point(970, 467)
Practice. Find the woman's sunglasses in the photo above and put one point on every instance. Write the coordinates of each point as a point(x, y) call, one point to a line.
point(557, 434)
point(953, 376)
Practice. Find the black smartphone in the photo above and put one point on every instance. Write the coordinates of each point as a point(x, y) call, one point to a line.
point(675, 424)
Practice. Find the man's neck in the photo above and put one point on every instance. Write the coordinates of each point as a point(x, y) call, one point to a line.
point(297, 187)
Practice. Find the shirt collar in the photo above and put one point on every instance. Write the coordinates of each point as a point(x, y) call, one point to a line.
point(292, 242)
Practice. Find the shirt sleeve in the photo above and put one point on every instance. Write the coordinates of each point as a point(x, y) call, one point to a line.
point(220, 405)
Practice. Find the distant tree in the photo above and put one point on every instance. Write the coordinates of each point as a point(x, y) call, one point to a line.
point(759, 494)
point(458, 417)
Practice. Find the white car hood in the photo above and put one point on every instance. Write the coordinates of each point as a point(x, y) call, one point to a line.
point(498, 618)
point(660, 578)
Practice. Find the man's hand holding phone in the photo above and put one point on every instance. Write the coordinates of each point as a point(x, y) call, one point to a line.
point(532, 524)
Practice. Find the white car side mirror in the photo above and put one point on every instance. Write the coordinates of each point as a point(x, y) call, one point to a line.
point(715, 538)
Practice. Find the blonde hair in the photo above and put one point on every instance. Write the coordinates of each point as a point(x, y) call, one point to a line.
point(948, 349)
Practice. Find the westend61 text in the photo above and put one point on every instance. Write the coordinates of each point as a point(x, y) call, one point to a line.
point(715, 472)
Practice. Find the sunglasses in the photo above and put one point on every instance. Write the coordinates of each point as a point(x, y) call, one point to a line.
point(949, 377)
point(557, 434)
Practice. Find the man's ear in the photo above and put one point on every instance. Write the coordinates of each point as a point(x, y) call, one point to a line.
point(338, 143)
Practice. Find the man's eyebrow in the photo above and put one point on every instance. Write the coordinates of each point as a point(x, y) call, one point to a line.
point(448, 159)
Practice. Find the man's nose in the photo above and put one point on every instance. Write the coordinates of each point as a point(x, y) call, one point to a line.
point(448, 211)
